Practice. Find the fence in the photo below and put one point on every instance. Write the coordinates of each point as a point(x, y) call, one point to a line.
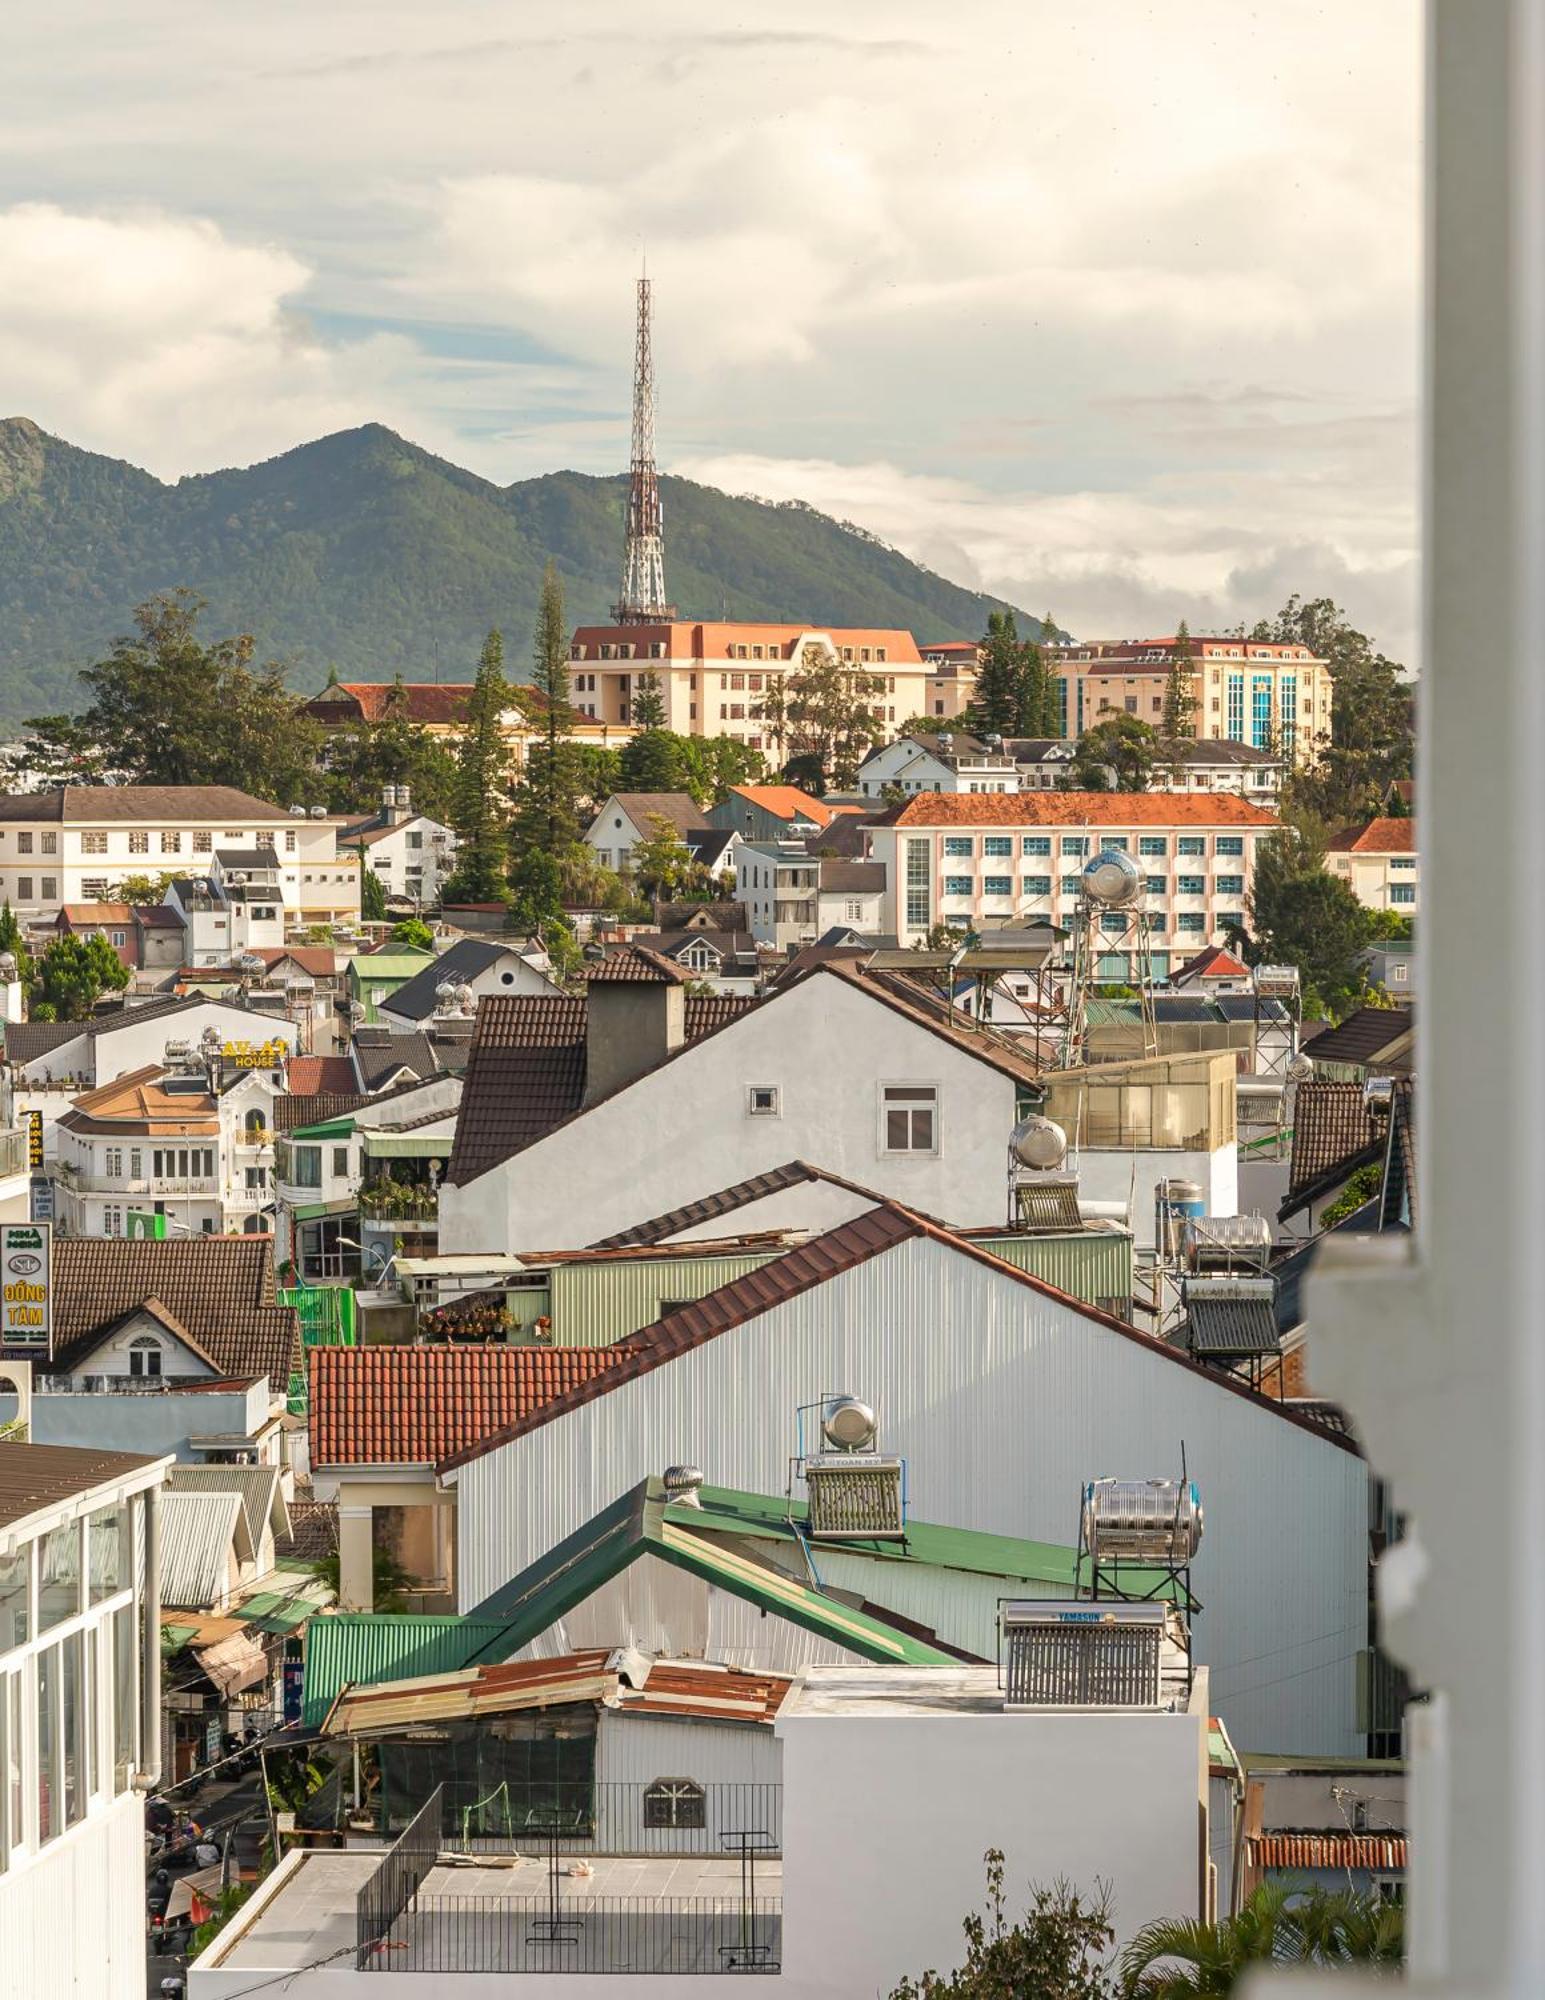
point(392, 1885)
point(585, 1934)
point(672, 1816)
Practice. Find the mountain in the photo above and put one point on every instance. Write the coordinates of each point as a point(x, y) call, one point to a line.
point(363, 552)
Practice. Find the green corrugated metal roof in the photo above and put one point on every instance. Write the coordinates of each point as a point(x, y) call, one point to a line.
point(380, 968)
point(366, 1647)
point(636, 1525)
point(331, 1128)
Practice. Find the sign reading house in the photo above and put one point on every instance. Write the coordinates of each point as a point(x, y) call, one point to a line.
point(26, 1275)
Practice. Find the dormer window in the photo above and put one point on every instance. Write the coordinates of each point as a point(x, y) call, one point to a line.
point(144, 1355)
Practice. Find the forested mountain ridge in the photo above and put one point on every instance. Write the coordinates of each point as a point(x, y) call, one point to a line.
point(363, 552)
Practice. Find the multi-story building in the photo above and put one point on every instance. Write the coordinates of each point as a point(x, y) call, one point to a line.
point(75, 843)
point(80, 1716)
point(1271, 695)
point(952, 665)
point(793, 897)
point(169, 1148)
point(439, 708)
point(410, 854)
point(1379, 864)
point(714, 678)
point(959, 860)
point(950, 761)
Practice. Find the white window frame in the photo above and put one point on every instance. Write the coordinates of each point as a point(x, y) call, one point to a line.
point(913, 1104)
point(773, 1108)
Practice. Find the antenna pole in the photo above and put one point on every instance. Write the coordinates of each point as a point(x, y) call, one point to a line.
point(643, 564)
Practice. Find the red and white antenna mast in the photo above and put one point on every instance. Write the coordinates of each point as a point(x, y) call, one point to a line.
point(643, 565)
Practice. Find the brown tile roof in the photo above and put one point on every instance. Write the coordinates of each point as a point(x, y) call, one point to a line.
point(291, 1110)
point(34, 1476)
point(1082, 809)
point(1331, 1131)
point(679, 808)
point(313, 1531)
point(97, 913)
point(635, 964)
point(1369, 1035)
point(848, 833)
point(526, 1070)
point(703, 916)
point(158, 916)
point(319, 960)
point(415, 1405)
point(163, 804)
point(800, 1270)
point(855, 878)
point(1379, 836)
point(220, 1288)
point(307, 1075)
point(1385, 1853)
point(422, 701)
point(140, 1098)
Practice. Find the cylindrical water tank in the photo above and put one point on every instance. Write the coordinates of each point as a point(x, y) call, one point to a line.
point(1142, 1520)
point(1175, 1203)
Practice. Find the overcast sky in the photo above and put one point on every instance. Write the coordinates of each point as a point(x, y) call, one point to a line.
point(1104, 306)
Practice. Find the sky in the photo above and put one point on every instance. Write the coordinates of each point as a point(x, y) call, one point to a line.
point(1106, 308)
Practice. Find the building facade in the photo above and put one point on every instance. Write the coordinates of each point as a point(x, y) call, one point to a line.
point(947, 762)
point(79, 1717)
point(960, 861)
point(714, 678)
point(1272, 696)
point(1379, 863)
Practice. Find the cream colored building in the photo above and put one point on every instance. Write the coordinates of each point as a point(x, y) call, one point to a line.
point(1379, 863)
point(1269, 695)
point(714, 678)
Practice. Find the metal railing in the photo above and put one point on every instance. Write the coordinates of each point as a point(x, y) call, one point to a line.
point(617, 1818)
point(13, 1152)
point(575, 1932)
point(391, 1886)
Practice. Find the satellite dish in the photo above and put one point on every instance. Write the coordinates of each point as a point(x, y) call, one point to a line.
point(849, 1425)
point(1038, 1142)
point(1112, 878)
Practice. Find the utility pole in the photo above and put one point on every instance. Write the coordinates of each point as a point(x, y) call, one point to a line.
point(643, 566)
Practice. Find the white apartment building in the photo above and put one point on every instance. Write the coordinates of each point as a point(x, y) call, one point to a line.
point(714, 677)
point(793, 897)
point(157, 1144)
point(412, 855)
point(1379, 863)
point(74, 844)
point(80, 1717)
point(957, 861)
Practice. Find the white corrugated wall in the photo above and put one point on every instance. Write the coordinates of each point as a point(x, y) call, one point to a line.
point(1004, 1401)
point(72, 1923)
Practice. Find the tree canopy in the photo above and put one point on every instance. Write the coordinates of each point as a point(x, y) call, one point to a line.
point(827, 711)
point(72, 975)
point(1373, 716)
point(1301, 915)
point(481, 809)
point(1122, 744)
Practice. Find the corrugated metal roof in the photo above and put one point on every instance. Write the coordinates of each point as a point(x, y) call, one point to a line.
point(1383, 1853)
point(467, 1692)
point(198, 1531)
point(259, 1488)
point(35, 1476)
point(360, 1648)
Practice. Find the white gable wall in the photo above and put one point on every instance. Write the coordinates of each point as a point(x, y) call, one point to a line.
point(1004, 1401)
point(684, 1131)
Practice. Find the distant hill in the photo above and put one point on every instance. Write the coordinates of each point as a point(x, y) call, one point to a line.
point(364, 553)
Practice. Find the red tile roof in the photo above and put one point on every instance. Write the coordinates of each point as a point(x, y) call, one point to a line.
point(415, 1405)
point(685, 640)
point(1082, 809)
point(842, 1249)
point(444, 702)
point(789, 802)
point(1384, 1853)
point(1214, 963)
point(1379, 836)
point(306, 1075)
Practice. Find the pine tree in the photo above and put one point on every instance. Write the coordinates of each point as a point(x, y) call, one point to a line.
point(372, 891)
point(1050, 721)
point(647, 710)
point(481, 815)
point(1179, 718)
point(999, 677)
point(550, 678)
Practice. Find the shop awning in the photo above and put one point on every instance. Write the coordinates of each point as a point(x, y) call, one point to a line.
point(409, 1145)
point(235, 1663)
point(311, 1210)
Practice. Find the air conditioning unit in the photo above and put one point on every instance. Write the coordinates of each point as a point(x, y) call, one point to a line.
point(1063, 1654)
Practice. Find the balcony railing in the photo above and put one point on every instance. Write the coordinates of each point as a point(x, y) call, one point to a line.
point(121, 1184)
point(570, 1931)
point(612, 1818)
point(13, 1153)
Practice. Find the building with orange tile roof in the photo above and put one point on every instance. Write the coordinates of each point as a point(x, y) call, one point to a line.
point(1380, 863)
point(714, 677)
point(966, 859)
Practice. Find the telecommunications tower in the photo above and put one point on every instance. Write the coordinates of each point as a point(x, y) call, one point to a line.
point(643, 563)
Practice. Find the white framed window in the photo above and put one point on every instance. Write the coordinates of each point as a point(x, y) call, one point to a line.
point(144, 1355)
point(764, 1100)
point(139, 842)
point(909, 1118)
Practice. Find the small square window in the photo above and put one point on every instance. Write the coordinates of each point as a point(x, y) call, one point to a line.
point(764, 1100)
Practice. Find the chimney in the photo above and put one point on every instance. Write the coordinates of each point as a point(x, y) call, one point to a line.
point(634, 1018)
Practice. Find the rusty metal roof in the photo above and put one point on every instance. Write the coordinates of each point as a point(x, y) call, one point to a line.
point(1381, 1852)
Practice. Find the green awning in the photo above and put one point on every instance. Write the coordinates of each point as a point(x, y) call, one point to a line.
point(309, 1211)
point(408, 1145)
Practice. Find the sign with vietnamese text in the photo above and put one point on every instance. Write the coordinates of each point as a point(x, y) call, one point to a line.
point(26, 1283)
point(34, 1123)
point(255, 1055)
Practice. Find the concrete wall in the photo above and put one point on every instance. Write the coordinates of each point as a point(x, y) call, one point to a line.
point(886, 1817)
point(151, 1424)
point(828, 1047)
point(1121, 1177)
point(72, 1922)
